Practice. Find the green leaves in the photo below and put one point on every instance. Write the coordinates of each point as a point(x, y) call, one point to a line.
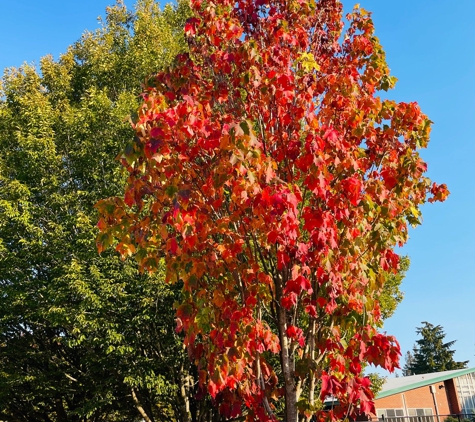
point(79, 330)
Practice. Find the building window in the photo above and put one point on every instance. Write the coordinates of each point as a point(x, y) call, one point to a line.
point(397, 415)
point(466, 392)
point(389, 413)
point(420, 412)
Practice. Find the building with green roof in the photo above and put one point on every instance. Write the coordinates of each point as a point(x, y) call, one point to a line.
point(427, 397)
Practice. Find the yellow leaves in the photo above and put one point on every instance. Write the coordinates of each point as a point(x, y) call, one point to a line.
point(154, 103)
point(125, 249)
point(308, 63)
point(413, 216)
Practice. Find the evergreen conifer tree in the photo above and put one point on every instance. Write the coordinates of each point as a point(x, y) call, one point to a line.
point(409, 361)
point(431, 353)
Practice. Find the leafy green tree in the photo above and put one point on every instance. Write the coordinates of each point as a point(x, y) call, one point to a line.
point(391, 294)
point(377, 382)
point(390, 297)
point(83, 337)
point(431, 353)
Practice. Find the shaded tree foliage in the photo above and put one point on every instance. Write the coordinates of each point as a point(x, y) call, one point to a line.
point(82, 337)
point(408, 363)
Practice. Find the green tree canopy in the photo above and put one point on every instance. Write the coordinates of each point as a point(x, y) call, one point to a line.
point(82, 337)
point(431, 352)
point(392, 295)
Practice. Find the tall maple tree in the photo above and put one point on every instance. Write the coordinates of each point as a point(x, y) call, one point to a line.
point(275, 184)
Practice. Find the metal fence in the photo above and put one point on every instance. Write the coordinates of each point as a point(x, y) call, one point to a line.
point(462, 417)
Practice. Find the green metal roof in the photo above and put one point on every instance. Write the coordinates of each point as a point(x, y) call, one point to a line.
point(399, 385)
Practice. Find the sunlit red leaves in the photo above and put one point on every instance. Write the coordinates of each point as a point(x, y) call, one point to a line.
point(330, 386)
point(390, 177)
point(289, 300)
point(352, 187)
point(268, 175)
point(383, 351)
point(311, 310)
point(389, 261)
point(212, 388)
point(331, 136)
point(283, 259)
point(358, 389)
point(190, 26)
point(296, 334)
point(298, 285)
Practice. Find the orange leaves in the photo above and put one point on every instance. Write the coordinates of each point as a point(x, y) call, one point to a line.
point(125, 249)
point(265, 278)
point(103, 241)
point(129, 197)
point(102, 224)
point(272, 180)
point(229, 251)
point(439, 192)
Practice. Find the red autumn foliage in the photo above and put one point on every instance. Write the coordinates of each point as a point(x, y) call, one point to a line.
point(275, 183)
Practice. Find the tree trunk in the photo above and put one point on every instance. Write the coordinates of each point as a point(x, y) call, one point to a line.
point(140, 408)
point(184, 383)
point(60, 412)
point(312, 384)
point(287, 369)
point(286, 360)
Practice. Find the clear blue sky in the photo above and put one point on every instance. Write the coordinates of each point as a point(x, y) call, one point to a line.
point(430, 47)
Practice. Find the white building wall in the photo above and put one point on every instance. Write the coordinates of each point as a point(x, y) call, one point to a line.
point(465, 385)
